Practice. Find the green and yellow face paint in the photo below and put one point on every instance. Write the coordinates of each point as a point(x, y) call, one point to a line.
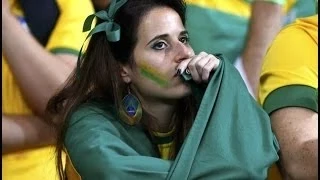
point(151, 73)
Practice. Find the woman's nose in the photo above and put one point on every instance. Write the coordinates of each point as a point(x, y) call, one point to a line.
point(183, 52)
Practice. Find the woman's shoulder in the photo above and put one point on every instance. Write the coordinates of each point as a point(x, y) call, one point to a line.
point(94, 111)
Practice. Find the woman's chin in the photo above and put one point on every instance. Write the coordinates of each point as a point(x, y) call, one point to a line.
point(182, 90)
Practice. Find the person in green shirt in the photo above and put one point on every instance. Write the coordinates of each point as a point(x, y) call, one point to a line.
point(242, 30)
point(142, 105)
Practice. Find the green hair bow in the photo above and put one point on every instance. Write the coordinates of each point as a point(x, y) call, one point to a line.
point(111, 28)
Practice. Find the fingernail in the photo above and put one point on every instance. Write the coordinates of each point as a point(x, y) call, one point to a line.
point(179, 71)
point(187, 71)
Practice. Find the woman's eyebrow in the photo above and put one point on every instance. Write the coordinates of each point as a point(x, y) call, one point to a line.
point(185, 32)
point(162, 36)
point(158, 37)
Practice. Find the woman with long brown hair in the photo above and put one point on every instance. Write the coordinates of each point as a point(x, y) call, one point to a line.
point(141, 104)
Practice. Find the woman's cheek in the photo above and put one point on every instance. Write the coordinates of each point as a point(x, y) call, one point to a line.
point(150, 72)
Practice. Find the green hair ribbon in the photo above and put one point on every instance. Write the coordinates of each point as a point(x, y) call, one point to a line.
point(111, 28)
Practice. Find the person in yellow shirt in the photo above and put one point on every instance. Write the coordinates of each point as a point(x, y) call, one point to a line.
point(40, 44)
point(289, 93)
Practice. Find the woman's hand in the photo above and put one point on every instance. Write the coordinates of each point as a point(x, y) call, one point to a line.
point(199, 66)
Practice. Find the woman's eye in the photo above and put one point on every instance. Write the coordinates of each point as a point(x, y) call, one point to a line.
point(184, 40)
point(159, 45)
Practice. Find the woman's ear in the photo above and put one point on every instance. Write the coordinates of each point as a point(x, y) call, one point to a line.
point(125, 72)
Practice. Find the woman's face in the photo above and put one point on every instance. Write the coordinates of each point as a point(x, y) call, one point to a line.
point(162, 43)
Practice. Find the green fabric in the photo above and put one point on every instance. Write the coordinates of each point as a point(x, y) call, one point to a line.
point(292, 96)
point(214, 31)
point(231, 138)
point(302, 8)
point(64, 51)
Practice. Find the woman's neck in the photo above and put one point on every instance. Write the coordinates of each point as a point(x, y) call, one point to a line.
point(163, 112)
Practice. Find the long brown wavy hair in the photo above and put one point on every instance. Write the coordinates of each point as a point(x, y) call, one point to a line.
point(98, 75)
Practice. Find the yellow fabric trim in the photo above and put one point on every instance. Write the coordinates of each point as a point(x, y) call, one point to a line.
point(161, 134)
point(292, 58)
point(168, 145)
point(274, 173)
point(71, 172)
point(166, 150)
point(236, 7)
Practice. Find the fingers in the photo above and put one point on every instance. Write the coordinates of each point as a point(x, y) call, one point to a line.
point(185, 64)
point(200, 66)
point(195, 64)
point(212, 64)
